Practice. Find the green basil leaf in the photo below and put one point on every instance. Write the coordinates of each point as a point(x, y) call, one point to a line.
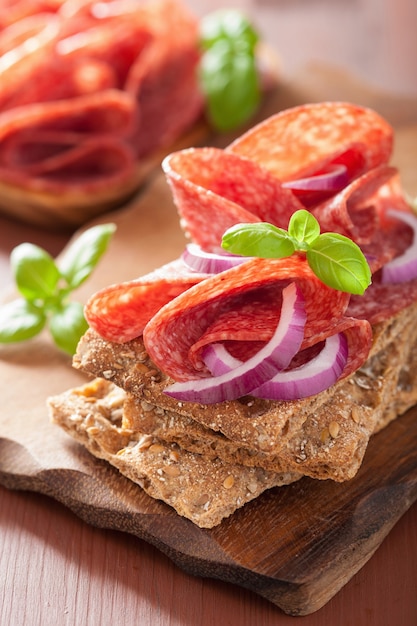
point(303, 227)
point(230, 81)
point(67, 326)
point(227, 24)
point(35, 272)
point(339, 263)
point(82, 256)
point(228, 70)
point(20, 320)
point(261, 240)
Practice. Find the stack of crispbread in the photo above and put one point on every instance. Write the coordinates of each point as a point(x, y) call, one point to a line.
point(208, 460)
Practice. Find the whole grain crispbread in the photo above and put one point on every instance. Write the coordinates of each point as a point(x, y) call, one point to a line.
point(267, 433)
point(331, 443)
point(204, 491)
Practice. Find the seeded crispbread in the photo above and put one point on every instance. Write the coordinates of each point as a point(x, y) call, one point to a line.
point(330, 444)
point(324, 436)
point(204, 491)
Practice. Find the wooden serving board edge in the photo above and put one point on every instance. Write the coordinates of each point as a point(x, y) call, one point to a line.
point(200, 554)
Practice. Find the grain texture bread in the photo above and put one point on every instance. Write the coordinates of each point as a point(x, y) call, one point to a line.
point(200, 489)
point(324, 436)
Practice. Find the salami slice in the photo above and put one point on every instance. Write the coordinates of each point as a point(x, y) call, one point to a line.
point(214, 190)
point(120, 312)
point(24, 49)
point(380, 302)
point(252, 293)
point(300, 141)
point(68, 143)
point(355, 211)
point(14, 11)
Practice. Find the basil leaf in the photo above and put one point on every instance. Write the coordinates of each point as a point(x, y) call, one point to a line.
point(67, 326)
point(35, 272)
point(230, 81)
point(227, 24)
point(303, 227)
point(82, 256)
point(228, 72)
point(20, 320)
point(262, 240)
point(339, 263)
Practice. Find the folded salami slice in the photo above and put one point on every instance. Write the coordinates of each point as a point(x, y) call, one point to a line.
point(69, 146)
point(248, 181)
point(298, 142)
point(353, 212)
point(120, 312)
point(243, 305)
point(214, 189)
point(14, 11)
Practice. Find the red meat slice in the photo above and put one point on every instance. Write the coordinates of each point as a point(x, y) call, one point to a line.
point(243, 305)
point(68, 143)
point(214, 190)
point(300, 141)
point(120, 312)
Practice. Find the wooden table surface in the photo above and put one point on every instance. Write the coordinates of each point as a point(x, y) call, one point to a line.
point(56, 569)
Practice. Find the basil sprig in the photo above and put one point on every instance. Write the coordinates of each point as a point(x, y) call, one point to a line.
point(45, 287)
point(228, 71)
point(335, 259)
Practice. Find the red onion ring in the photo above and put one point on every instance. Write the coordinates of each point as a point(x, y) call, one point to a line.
point(209, 262)
point(403, 267)
point(335, 178)
point(313, 377)
point(274, 356)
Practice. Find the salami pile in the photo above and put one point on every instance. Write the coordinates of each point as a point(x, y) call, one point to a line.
point(180, 311)
point(88, 90)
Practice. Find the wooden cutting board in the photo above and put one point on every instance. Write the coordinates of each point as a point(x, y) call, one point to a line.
point(296, 545)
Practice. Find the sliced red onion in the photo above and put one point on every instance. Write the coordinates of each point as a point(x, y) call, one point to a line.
point(335, 178)
point(218, 360)
point(403, 267)
point(274, 356)
point(209, 262)
point(311, 378)
point(315, 376)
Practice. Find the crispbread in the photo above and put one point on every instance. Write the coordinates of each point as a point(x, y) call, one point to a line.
point(295, 436)
point(330, 444)
point(204, 491)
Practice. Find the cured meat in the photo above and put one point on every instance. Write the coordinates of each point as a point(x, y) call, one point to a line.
point(133, 62)
point(120, 312)
point(353, 212)
point(77, 144)
point(241, 307)
point(250, 292)
point(380, 301)
point(300, 141)
point(13, 11)
point(214, 189)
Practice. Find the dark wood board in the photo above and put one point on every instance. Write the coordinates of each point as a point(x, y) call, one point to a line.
point(296, 546)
